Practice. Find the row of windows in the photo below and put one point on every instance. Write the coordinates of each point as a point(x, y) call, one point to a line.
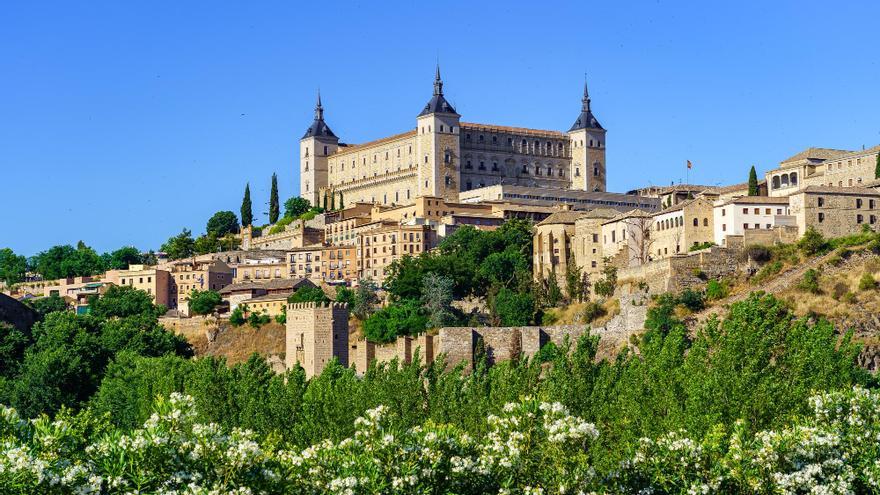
point(131, 280)
point(580, 200)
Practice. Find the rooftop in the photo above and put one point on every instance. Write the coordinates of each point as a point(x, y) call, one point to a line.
point(816, 154)
point(350, 148)
point(511, 130)
point(564, 217)
point(757, 200)
point(855, 191)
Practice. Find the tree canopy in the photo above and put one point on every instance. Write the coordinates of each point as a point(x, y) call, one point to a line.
point(13, 267)
point(66, 261)
point(753, 182)
point(296, 206)
point(222, 223)
point(203, 302)
point(179, 246)
point(273, 200)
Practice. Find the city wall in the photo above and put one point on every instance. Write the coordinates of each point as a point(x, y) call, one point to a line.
point(682, 271)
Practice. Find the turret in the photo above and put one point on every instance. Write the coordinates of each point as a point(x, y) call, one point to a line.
point(437, 146)
point(316, 145)
point(587, 149)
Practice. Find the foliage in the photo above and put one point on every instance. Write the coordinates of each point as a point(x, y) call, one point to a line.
point(296, 206)
point(122, 302)
point(273, 200)
point(256, 319)
point(308, 294)
point(222, 223)
point(692, 299)
point(479, 262)
point(123, 257)
point(877, 168)
point(437, 301)
point(577, 283)
point(717, 289)
point(180, 246)
point(67, 261)
point(404, 317)
point(753, 182)
point(867, 282)
point(281, 225)
point(513, 309)
point(203, 302)
point(46, 305)
point(345, 295)
point(552, 292)
point(812, 242)
point(592, 311)
point(759, 254)
point(13, 267)
point(281, 319)
point(810, 282)
point(247, 216)
point(365, 299)
point(237, 318)
point(605, 286)
point(767, 271)
point(704, 245)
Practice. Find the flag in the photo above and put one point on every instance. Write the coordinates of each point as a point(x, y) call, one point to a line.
point(690, 165)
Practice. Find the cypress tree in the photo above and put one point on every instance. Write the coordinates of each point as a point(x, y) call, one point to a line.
point(332, 201)
point(325, 200)
point(753, 182)
point(342, 204)
point(273, 200)
point(247, 217)
point(877, 168)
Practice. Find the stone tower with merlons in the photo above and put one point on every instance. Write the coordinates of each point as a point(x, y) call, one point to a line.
point(315, 147)
point(587, 149)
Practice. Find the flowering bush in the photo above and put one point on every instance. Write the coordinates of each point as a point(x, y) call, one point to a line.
point(531, 447)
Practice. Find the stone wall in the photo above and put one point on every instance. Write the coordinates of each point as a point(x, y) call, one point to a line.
point(17, 314)
point(404, 350)
point(678, 272)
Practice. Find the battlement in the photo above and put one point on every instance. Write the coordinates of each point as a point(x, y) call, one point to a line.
point(317, 305)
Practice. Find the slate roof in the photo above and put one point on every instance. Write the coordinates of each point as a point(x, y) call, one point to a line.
point(319, 128)
point(817, 154)
point(438, 103)
point(586, 119)
point(561, 217)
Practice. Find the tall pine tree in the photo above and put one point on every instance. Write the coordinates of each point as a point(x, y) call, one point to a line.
point(753, 182)
point(247, 216)
point(877, 168)
point(273, 200)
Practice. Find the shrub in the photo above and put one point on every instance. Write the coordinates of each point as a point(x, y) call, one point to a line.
point(717, 289)
point(759, 254)
point(849, 298)
point(405, 317)
point(592, 311)
point(237, 317)
point(202, 302)
point(691, 299)
point(282, 318)
point(810, 282)
point(704, 245)
point(308, 294)
point(840, 288)
point(812, 242)
point(256, 320)
point(767, 271)
point(867, 282)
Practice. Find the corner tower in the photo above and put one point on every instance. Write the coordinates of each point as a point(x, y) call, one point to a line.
point(316, 145)
point(438, 150)
point(587, 149)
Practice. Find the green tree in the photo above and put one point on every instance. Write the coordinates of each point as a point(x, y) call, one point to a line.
point(308, 294)
point(122, 258)
point(753, 182)
point(513, 309)
point(325, 201)
point(605, 286)
point(49, 304)
point(203, 302)
point(222, 223)
point(877, 168)
point(576, 283)
point(554, 292)
point(273, 200)
point(345, 295)
point(13, 343)
point(179, 246)
point(365, 299)
point(404, 317)
point(67, 261)
point(247, 216)
point(12, 266)
point(437, 300)
point(122, 302)
point(812, 242)
point(206, 244)
point(237, 316)
point(296, 206)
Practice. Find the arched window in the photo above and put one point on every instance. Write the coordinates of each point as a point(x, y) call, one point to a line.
point(784, 180)
point(696, 222)
point(793, 179)
point(705, 222)
point(775, 182)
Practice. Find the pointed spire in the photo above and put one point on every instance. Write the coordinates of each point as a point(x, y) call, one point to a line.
point(586, 100)
point(319, 109)
point(438, 84)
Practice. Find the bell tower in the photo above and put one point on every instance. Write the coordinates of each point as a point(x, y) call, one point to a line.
point(315, 147)
point(587, 141)
point(438, 149)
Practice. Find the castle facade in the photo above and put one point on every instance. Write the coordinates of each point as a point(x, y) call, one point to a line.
point(443, 156)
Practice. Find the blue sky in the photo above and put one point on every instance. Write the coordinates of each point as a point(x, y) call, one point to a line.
point(124, 122)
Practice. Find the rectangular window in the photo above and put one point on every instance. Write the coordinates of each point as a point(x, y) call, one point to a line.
point(860, 219)
point(595, 237)
point(767, 211)
point(858, 202)
point(724, 227)
point(821, 217)
point(745, 211)
point(757, 211)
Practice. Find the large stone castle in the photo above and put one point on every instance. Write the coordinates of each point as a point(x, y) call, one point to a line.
point(443, 156)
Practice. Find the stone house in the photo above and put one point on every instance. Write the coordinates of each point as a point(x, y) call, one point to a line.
point(675, 230)
point(152, 280)
point(552, 245)
point(835, 211)
point(189, 275)
point(587, 241)
point(626, 238)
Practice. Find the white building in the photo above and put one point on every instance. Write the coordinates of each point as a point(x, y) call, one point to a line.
point(734, 216)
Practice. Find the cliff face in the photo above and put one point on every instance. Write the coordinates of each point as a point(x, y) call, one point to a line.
point(17, 314)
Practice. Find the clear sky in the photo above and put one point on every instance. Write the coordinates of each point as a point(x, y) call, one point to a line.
point(123, 122)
